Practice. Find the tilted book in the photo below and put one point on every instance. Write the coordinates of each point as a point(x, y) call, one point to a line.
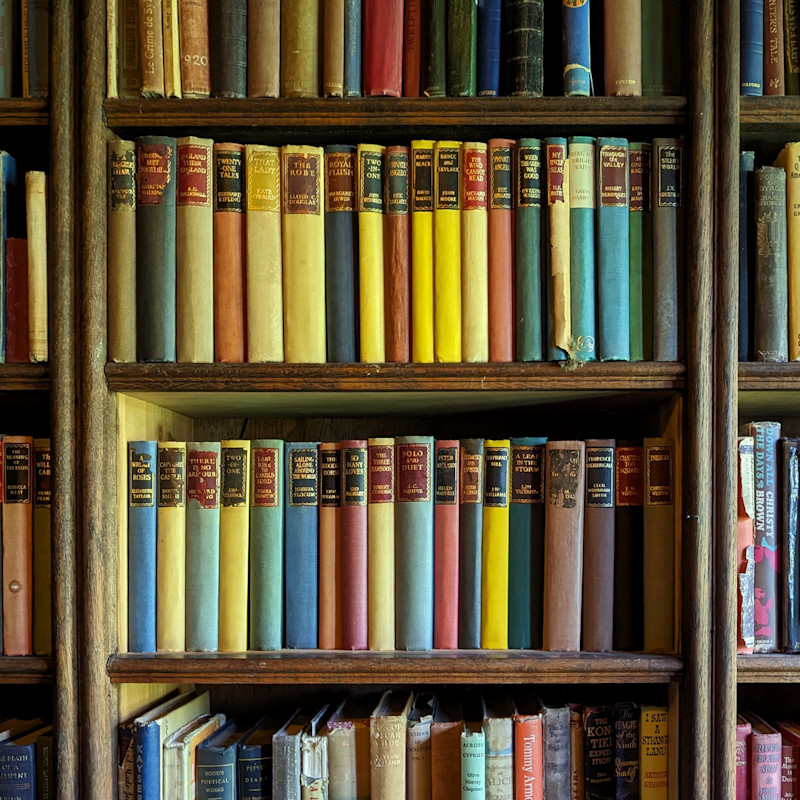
point(179, 755)
point(254, 760)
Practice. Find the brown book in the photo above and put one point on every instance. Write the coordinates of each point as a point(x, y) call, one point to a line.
point(330, 546)
point(263, 48)
point(151, 48)
point(412, 48)
point(623, 48)
point(195, 59)
point(774, 82)
point(387, 752)
point(577, 754)
point(229, 251)
point(299, 46)
point(563, 545)
point(333, 48)
point(397, 279)
point(448, 721)
point(129, 76)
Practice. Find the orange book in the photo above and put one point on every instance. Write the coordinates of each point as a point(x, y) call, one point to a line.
point(528, 751)
point(330, 546)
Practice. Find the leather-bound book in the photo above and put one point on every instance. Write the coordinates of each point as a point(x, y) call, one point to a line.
point(397, 255)
point(195, 62)
point(623, 48)
point(524, 47)
point(299, 46)
point(263, 48)
point(412, 47)
point(383, 47)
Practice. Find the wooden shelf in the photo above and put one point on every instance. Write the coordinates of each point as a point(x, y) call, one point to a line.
point(768, 668)
point(433, 667)
point(24, 377)
point(18, 111)
point(768, 113)
point(25, 669)
point(769, 388)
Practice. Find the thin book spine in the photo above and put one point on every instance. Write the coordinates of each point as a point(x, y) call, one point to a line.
point(599, 752)
point(397, 255)
point(422, 186)
point(662, 49)
point(151, 48)
point(412, 48)
point(330, 546)
point(299, 48)
point(789, 491)
point(462, 46)
point(489, 36)
point(36, 48)
point(352, 48)
point(434, 58)
point(789, 161)
point(473, 762)
point(524, 52)
point(751, 49)
point(354, 545)
point(791, 39)
point(263, 48)
point(576, 49)
point(17, 301)
point(626, 750)
point(42, 548)
point(333, 24)
point(774, 77)
point(129, 77)
point(470, 546)
point(746, 253)
point(172, 48)
point(381, 544)
point(8, 182)
point(36, 208)
point(383, 47)
point(640, 237)
point(445, 544)
point(559, 319)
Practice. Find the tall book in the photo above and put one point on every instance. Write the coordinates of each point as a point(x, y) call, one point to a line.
point(662, 53)
point(314, 757)
point(263, 48)
point(383, 47)
point(576, 49)
point(421, 199)
point(563, 545)
point(348, 751)
point(299, 48)
point(599, 752)
point(789, 494)
point(470, 543)
point(654, 753)
point(746, 253)
point(559, 321)
point(414, 543)
point(303, 229)
point(791, 39)
point(556, 727)
point(413, 38)
point(489, 35)
point(353, 34)
point(151, 48)
point(434, 58)
point(640, 238)
point(35, 47)
point(36, 210)
point(263, 254)
point(16, 301)
point(745, 544)
point(7, 49)
point(381, 543)
point(330, 546)
point(194, 251)
point(195, 70)
point(474, 252)
point(42, 547)
point(473, 762)
point(333, 48)
point(462, 47)
point(751, 48)
point(528, 750)
point(789, 160)
point(622, 31)
point(397, 255)
point(155, 247)
point(494, 576)
point(418, 747)
point(172, 49)
point(124, 74)
point(445, 544)
point(774, 78)
point(524, 52)
point(387, 725)
point(626, 750)
point(765, 758)
point(215, 765)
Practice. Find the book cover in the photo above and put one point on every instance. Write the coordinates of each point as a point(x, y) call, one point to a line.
point(498, 729)
point(413, 38)
point(751, 48)
point(215, 764)
point(448, 722)
point(42, 548)
point(355, 545)
point(576, 49)
point(445, 544)
point(35, 48)
point(330, 546)
point(263, 48)
point(16, 301)
point(557, 773)
point(654, 753)
point(418, 747)
point(333, 48)
point(528, 749)
point(397, 255)
point(383, 47)
point(36, 210)
point(489, 36)
point(473, 762)
point(434, 57)
point(640, 238)
point(195, 70)
point(745, 545)
point(422, 185)
point(662, 51)
point(559, 314)
point(622, 34)
point(743, 779)
point(788, 493)
point(381, 543)
point(353, 31)
point(626, 750)
point(599, 752)
point(151, 48)
point(462, 47)
point(387, 726)
point(299, 48)
point(523, 54)
point(470, 543)
point(747, 252)
point(789, 160)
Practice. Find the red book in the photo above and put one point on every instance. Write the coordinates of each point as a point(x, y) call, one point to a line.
point(528, 754)
point(397, 257)
point(330, 502)
point(17, 301)
point(353, 577)
point(445, 545)
point(743, 731)
point(383, 47)
point(790, 753)
point(765, 759)
point(501, 250)
point(412, 50)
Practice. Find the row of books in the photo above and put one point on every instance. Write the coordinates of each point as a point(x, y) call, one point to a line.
point(337, 48)
point(400, 745)
point(26, 759)
point(24, 48)
point(770, 47)
point(767, 758)
point(405, 543)
point(441, 251)
point(25, 492)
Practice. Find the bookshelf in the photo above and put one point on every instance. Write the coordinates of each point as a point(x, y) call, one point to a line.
point(120, 402)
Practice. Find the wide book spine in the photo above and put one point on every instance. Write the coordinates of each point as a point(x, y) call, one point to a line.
point(489, 37)
point(623, 48)
point(662, 50)
point(524, 51)
point(333, 48)
point(462, 47)
point(263, 48)
point(470, 543)
point(299, 48)
point(640, 238)
point(215, 770)
point(421, 199)
point(774, 77)
point(559, 321)
point(354, 544)
point(790, 497)
point(36, 208)
point(151, 48)
point(445, 543)
point(383, 47)
point(626, 750)
point(751, 49)
point(499, 757)
point(195, 66)
point(397, 255)
point(330, 546)
point(599, 752)
point(42, 548)
point(381, 544)
point(576, 49)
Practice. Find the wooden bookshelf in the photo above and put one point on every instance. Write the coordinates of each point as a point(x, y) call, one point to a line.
point(763, 668)
point(24, 377)
point(27, 112)
point(25, 669)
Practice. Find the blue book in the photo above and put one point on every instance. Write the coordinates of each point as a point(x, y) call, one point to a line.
point(352, 48)
point(613, 252)
point(470, 543)
point(254, 760)
point(142, 513)
point(215, 764)
point(18, 765)
point(746, 252)
point(576, 49)
point(8, 181)
point(751, 52)
point(302, 555)
point(488, 48)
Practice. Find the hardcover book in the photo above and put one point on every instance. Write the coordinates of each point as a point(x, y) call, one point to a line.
point(470, 543)
point(330, 546)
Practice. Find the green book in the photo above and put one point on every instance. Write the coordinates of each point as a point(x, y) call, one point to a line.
point(661, 55)
point(462, 48)
point(641, 252)
point(434, 53)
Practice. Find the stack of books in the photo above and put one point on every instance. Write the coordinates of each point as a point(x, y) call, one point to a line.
point(26, 759)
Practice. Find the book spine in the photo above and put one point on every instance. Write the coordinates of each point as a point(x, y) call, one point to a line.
point(414, 543)
point(788, 160)
point(18, 771)
point(7, 48)
point(528, 755)
point(330, 546)
point(462, 47)
point(333, 48)
point(352, 48)
point(263, 48)
point(418, 759)
point(494, 577)
point(266, 544)
point(36, 47)
point(563, 545)
point(445, 544)
point(499, 758)
point(774, 83)
point(151, 48)
point(16, 300)
point(473, 765)
point(286, 767)
point(155, 248)
point(299, 40)
point(194, 251)
point(381, 544)
point(202, 545)
point(743, 736)
point(474, 252)
point(559, 321)
point(745, 545)
point(422, 185)
point(640, 238)
point(412, 48)
point(383, 47)
point(626, 751)
point(127, 34)
point(599, 752)
point(524, 52)
point(172, 49)
point(435, 53)
point(195, 51)
point(42, 539)
point(147, 761)
point(789, 495)
point(747, 251)
point(751, 50)
point(788, 772)
point(45, 777)
point(470, 543)
point(662, 54)
point(121, 251)
point(7, 186)
point(371, 214)
point(142, 515)
point(303, 230)
point(623, 48)
point(489, 28)
point(577, 747)
point(501, 250)
point(397, 258)
point(354, 545)
point(171, 547)
point(264, 268)
point(314, 767)
point(215, 770)
point(791, 38)
point(556, 726)
point(387, 757)
point(581, 246)
point(613, 266)
point(577, 49)
point(229, 253)
point(654, 753)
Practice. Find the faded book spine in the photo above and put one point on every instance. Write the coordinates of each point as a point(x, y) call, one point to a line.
point(194, 48)
point(151, 48)
point(263, 48)
point(36, 207)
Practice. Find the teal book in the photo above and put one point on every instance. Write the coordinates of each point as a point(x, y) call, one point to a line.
point(202, 545)
point(414, 543)
point(434, 53)
point(641, 252)
point(462, 48)
point(613, 256)
point(215, 764)
point(581, 245)
point(528, 273)
point(473, 762)
point(266, 544)
point(526, 543)
point(470, 543)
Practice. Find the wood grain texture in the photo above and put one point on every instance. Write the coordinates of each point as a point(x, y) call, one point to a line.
point(24, 377)
point(33, 111)
point(768, 376)
point(25, 669)
point(768, 668)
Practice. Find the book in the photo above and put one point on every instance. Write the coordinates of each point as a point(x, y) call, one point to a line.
point(397, 255)
point(640, 238)
point(413, 37)
point(462, 48)
point(36, 209)
point(172, 50)
point(263, 48)
point(387, 726)
point(383, 47)
point(18, 764)
point(195, 69)
point(216, 763)
point(743, 734)
point(333, 48)
point(286, 758)
point(445, 544)
point(418, 747)
point(789, 494)
point(8, 49)
point(577, 751)
point(774, 81)
point(35, 26)
point(330, 546)
point(791, 46)
point(498, 729)
point(524, 51)
point(45, 769)
point(576, 49)
point(446, 728)
point(489, 35)
point(790, 741)
point(16, 301)
point(349, 751)
point(746, 253)
point(559, 323)
point(662, 51)
point(126, 30)
point(381, 544)
point(151, 48)
point(299, 48)
point(787, 160)
point(626, 750)
point(556, 759)
point(180, 751)
point(528, 749)
point(422, 294)
point(42, 548)
point(473, 762)
point(745, 545)
point(599, 752)
point(314, 757)
point(654, 752)
point(470, 543)
point(353, 31)
point(434, 58)
point(622, 31)
point(751, 48)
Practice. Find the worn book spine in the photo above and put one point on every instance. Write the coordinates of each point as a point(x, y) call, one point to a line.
point(263, 48)
point(747, 251)
point(299, 48)
point(662, 22)
point(529, 239)
point(155, 248)
point(215, 764)
point(524, 52)
point(121, 256)
point(142, 513)
point(383, 47)
point(126, 29)
point(446, 751)
point(501, 249)
point(774, 82)
point(303, 230)
point(414, 543)
point(559, 320)
point(577, 747)
point(421, 199)
point(397, 255)
point(418, 748)
point(371, 216)
point(45, 772)
point(353, 34)
point(7, 185)
point(556, 752)
point(333, 48)
point(462, 47)
point(35, 47)
point(388, 748)
point(599, 752)
point(622, 31)
point(563, 545)
point(202, 545)
point(434, 58)
point(413, 37)
point(489, 36)
point(445, 544)
point(743, 736)
point(626, 751)
point(654, 753)
point(172, 49)
point(151, 48)
point(381, 544)
point(470, 543)
point(171, 547)
point(751, 48)
point(474, 252)
point(791, 39)
point(789, 494)
point(330, 546)
point(341, 252)
point(42, 547)
point(640, 238)
point(745, 544)
point(498, 728)
point(195, 52)
point(16, 299)
point(266, 544)
point(789, 776)
point(576, 49)
point(354, 544)
point(194, 251)
point(18, 777)
point(494, 578)
point(788, 160)
point(473, 762)
point(528, 754)
point(598, 546)
point(263, 254)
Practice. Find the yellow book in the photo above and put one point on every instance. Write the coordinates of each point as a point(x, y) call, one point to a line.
point(422, 251)
point(447, 252)
point(264, 254)
point(474, 252)
point(370, 252)
point(303, 228)
point(172, 50)
point(789, 160)
point(42, 568)
point(380, 543)
point(494, 575)
point(36, 207)
point(234, 528)
point(171, 548)
point(654, 753)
